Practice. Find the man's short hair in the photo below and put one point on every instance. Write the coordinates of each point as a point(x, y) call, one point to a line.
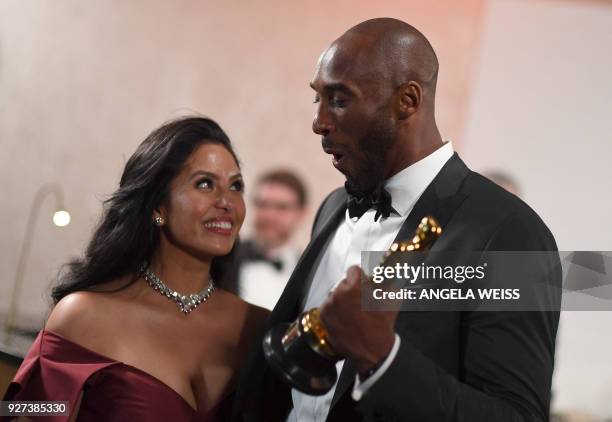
point(289, 179)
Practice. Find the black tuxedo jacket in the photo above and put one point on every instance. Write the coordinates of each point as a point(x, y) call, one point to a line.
point(451, 366)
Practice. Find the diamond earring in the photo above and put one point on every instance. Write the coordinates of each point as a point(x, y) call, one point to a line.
point(159, 221)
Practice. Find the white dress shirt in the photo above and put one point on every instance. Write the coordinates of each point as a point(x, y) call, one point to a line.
point(260, 283)
point(353, 236)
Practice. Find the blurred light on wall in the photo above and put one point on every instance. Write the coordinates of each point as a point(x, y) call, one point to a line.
point(61, 218)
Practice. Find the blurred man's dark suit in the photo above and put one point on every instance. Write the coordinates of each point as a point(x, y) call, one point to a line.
point(463, 366)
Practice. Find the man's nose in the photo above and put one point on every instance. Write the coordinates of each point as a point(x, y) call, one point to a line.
point(322, 123)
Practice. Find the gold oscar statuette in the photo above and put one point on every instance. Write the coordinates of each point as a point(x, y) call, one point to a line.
point(301, 354)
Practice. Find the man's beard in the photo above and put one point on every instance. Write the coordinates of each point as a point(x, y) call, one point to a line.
point(374, 146)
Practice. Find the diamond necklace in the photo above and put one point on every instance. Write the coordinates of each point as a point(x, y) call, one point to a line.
point(186, 303)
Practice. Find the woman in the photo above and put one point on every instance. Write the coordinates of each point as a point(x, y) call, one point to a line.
point(125, 340)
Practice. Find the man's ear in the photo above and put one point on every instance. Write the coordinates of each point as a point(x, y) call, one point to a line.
point(409, 97)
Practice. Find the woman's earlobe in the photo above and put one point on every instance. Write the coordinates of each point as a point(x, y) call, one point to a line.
point(158, 217)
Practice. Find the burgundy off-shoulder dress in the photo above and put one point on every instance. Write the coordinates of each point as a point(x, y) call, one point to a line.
point(58, 369)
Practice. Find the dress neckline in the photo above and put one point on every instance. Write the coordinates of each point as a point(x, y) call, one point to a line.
point(133, 368)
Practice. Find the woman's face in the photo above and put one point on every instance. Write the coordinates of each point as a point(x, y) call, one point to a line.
point(205, 207)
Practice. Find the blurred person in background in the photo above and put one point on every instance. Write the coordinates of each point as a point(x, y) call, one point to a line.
point(268, 258)
point(141, 327)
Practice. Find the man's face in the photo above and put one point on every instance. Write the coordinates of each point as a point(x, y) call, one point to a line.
point(277, 213)
point(354, 117)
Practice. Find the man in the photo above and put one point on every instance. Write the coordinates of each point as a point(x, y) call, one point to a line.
point(374, 89)
point(266, 261)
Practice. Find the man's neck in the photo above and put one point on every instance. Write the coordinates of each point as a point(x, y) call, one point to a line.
point(413, 147)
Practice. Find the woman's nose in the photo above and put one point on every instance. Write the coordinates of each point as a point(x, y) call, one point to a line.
point(224, 201)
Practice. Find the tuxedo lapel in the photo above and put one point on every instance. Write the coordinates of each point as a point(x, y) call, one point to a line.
point(345, 380)
point(440, 200)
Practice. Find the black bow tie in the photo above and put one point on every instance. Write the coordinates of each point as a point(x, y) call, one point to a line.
point(250, 252)
point(276, 263)
point(378, 199)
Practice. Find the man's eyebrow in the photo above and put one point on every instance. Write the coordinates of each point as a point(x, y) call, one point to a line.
point(335, 86)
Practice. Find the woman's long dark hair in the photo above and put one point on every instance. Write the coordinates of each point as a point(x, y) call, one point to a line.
point(125, 236)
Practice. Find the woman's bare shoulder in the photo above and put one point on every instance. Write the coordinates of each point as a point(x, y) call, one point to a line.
point(72, 313)
point(86, 318)
point(243, 317)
